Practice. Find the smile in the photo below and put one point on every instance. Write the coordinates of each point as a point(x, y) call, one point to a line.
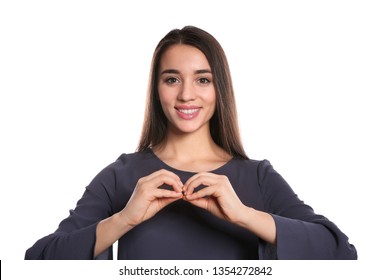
point(188, 113)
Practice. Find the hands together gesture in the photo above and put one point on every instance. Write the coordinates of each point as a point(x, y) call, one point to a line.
point(218, 196)
point(148, 198)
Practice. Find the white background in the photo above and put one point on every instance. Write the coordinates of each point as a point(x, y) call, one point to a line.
point(312, 80)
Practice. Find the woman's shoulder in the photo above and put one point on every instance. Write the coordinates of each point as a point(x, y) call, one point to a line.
point(127, 162)
point(251, 166)
point(126, 167)
point(251, 163)
point(136, 161)
point(134, 158)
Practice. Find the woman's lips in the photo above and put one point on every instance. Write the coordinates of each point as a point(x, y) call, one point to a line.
point(187, 112)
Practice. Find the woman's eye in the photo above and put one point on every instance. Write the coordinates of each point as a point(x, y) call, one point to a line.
point(204, 81)
point(171, 80)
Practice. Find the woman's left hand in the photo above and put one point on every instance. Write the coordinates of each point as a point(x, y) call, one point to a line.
point(218, 196)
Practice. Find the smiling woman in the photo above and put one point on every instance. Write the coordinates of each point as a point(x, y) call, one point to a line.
point(190, 191)
point(186, 90)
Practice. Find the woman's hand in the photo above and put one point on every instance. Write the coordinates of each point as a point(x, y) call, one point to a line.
point(148, 199)
point(218, 197)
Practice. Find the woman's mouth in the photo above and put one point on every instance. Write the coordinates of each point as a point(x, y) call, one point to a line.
point(187, 113)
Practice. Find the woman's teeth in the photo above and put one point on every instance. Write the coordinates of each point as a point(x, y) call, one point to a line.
point(188, 111)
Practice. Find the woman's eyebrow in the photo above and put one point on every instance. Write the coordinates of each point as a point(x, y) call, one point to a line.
point(203, 71)
point(170, 71)
point(174, 71)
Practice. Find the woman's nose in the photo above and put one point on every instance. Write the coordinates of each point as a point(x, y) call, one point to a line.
point(187, 92)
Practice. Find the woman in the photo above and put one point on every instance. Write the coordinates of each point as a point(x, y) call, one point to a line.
point(190, 191)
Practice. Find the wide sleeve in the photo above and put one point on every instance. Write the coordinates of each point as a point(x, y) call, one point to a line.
point(75, 237)
point(300, 232)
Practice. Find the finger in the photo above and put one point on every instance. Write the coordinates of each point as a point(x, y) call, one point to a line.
point(167, 179)
point(196, 176)
point(200, 202)
point(208, 191)
point(167, 174)
point(197, 180)
point(161, 193)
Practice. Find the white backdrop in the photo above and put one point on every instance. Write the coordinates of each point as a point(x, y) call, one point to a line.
point(311, 81)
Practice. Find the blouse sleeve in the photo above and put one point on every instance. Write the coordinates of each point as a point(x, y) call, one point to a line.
point(75, 237)
point(300, 233)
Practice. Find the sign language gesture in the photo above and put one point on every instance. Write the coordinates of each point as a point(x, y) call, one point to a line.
point(218, 197)
point(148, 198)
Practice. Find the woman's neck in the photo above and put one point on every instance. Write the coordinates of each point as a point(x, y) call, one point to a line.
point(191, 151)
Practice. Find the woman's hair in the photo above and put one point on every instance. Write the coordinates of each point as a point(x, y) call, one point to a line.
point(223, 124)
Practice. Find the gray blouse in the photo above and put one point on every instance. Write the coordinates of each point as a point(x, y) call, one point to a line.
point(184, 231)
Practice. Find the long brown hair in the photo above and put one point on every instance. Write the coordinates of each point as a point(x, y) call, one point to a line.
point(223, 124)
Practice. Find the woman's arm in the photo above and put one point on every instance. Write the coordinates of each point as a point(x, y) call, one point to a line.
point(220, 199)
point(147, 199)
point(300, 232)
point(109, 231)
point(288, 223)
point(92, 227)
point(75, 237)
point(260, 223)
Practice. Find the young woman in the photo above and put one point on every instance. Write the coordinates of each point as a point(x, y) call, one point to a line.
point(190, 191)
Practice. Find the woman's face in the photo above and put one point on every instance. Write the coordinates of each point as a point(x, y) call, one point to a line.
point(186, 89)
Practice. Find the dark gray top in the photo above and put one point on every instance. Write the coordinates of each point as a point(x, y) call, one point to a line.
point(184, 231)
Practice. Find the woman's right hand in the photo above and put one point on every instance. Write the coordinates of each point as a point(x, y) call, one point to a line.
point(148, 199)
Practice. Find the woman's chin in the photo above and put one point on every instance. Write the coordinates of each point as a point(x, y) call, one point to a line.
point(187, 129)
